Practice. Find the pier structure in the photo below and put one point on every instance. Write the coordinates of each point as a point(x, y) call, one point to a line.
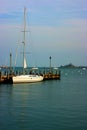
point(49, 73)
point(52, 75)
point(7, 79)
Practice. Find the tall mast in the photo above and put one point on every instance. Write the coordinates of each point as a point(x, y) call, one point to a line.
point(24, 42)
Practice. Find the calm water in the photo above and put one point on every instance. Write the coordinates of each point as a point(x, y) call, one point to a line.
point(47, 105)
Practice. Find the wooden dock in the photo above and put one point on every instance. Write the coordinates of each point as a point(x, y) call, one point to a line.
point(8, 79)
point(48, 73)
point(51, 76)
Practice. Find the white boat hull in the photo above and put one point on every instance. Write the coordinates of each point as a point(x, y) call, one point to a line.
point(27, 78)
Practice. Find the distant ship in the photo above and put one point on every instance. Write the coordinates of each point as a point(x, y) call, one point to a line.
point(30, 77)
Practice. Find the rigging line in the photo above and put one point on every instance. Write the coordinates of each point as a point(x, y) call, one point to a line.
point(16, 56)
point(17, 49)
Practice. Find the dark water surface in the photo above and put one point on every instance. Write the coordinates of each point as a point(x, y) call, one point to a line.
point(48, 105)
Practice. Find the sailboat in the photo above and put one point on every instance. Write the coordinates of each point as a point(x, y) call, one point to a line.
point(29, 78)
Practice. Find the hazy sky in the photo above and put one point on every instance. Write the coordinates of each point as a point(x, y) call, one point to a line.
point(57, 28)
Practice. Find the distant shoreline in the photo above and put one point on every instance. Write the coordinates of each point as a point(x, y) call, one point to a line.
point(72, 66)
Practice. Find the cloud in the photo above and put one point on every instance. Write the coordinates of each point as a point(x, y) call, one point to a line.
point(57, 26)
point(43, 12)
point(70, 36)
point(63, 36)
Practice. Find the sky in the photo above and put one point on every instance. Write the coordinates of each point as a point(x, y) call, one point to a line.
point(56, 28)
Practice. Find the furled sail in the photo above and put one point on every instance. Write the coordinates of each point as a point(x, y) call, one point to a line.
point(25, 63)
